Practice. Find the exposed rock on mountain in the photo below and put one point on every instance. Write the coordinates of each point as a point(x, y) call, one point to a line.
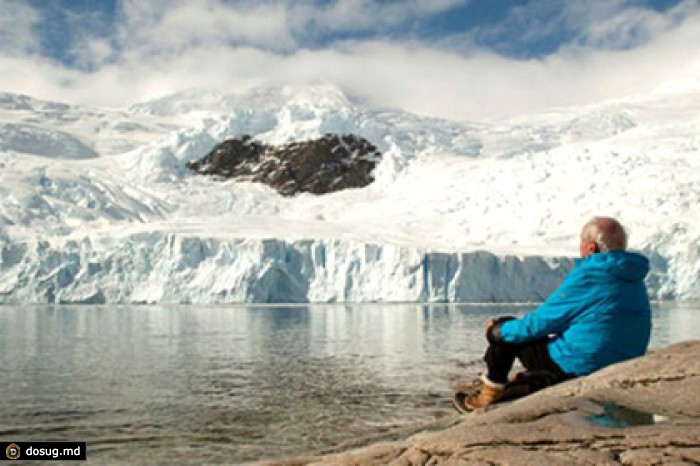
point(330, 163)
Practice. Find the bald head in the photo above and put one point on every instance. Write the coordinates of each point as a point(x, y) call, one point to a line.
point(603, 234)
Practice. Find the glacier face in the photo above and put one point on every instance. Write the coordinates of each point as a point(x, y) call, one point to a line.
point(165, 268)
point(480, 211)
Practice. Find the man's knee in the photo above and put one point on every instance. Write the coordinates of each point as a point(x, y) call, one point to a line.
point(494, 333)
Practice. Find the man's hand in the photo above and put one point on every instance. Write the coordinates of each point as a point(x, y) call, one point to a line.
point(493, 328)
point(489, 326)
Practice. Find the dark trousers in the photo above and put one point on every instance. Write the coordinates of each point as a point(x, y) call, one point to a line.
point(534, 356)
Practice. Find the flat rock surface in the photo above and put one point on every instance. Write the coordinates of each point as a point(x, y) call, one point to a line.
point(642, 412)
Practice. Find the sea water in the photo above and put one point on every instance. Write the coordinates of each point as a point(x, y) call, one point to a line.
point(228, 384)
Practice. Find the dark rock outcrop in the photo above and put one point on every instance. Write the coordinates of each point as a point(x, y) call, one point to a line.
point(330, 163)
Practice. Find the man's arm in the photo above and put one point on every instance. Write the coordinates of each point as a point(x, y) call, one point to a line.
point(553, 316)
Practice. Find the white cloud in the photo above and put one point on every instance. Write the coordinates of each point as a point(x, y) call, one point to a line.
point(175, 26)
point(362, 15)
point(161, 26)
point(17, 20)
point(97, 51)
point(153, 61)
point(617, 25)
point(584, 24)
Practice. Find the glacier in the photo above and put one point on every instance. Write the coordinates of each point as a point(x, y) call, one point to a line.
point(96, 205)
point(166, 268)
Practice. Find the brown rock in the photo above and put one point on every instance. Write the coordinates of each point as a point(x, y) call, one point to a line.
point(319, 166)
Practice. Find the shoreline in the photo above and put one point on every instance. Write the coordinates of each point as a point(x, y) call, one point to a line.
point(642, 411)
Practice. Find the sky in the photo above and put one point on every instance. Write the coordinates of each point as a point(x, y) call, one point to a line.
point(456, 59)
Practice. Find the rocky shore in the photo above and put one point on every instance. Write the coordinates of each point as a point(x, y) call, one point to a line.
point(641, 412)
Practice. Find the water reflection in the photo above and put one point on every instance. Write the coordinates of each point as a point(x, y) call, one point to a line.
point(619, 417)
point(228, 384)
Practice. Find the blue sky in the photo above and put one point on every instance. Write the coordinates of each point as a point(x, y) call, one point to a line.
point(452, 58)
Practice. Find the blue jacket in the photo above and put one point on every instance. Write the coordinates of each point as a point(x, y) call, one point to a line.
point(599, 315)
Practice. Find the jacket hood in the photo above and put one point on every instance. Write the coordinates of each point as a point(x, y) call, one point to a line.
point(623, 265)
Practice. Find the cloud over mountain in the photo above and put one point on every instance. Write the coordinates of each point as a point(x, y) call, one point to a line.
point(532, 56)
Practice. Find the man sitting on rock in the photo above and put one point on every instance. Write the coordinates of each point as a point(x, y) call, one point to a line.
point(598, 316)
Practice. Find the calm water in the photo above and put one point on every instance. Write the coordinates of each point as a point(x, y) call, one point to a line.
point(199, 384)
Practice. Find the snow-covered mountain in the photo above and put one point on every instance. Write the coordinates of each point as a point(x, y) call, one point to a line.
point(96, 204)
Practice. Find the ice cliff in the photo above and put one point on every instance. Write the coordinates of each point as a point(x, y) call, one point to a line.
point(157, 267)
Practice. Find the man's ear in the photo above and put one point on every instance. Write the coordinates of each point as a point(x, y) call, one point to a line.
point(591, 247)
